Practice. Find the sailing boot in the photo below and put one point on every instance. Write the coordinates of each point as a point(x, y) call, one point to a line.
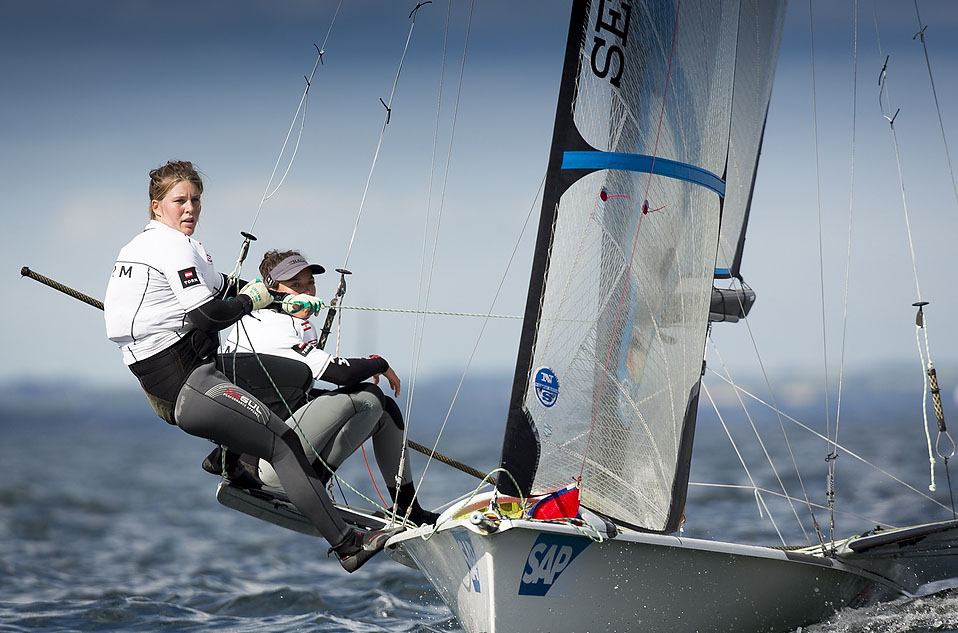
point(239, 469)
point(406, 494)
point(359, 547)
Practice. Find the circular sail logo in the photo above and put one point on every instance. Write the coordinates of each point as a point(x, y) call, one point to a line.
point(547, 387)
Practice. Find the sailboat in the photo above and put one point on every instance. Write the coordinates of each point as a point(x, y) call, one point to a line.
point(658, 128)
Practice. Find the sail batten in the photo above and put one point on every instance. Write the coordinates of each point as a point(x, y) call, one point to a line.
point(644, 164)
point(630, 227)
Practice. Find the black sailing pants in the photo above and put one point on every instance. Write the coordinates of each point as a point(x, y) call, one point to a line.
point(210, 406)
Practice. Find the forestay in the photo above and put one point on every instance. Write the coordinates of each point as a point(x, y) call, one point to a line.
point(612, 346)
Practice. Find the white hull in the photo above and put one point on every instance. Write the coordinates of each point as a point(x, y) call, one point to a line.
point(532, 576)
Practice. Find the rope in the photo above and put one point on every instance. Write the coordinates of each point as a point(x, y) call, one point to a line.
point(924, 403)
point(482, 315)
point(433, 454)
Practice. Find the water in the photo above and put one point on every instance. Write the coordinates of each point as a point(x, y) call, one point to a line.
point(107, 523)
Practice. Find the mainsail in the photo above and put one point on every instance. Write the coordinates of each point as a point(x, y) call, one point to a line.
point(611, 353)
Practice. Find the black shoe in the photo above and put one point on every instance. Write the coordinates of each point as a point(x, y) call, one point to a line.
point(213, 463)
point(239, 469)
point(360, 547)
point(406, 495)
point(423, 517)
point(247, 473)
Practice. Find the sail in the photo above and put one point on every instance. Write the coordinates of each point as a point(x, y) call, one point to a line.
point(611, 352)
point(759, 36)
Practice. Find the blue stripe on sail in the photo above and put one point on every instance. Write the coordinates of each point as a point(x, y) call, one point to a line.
point(643, 163)
point(723, 272)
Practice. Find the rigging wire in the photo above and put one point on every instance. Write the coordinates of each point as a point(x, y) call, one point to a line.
point(884, 92)
point(232, 279)
point(495, 298)
point(299, 115)
point(388, 106)
point(781, 423)
point(419, 324)
point(776, 493)
point(782, 415)
point(442, 198)
point(758, 497)
point(413, 15)
point(832, 458)
point(757, 436)
point(928, 369)
point(821, 252)
point(931, 78)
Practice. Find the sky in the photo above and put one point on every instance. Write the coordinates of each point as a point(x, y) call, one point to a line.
point(97, 94)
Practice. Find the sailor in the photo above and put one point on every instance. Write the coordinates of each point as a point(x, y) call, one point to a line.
point(332, 424)
point(164, 307)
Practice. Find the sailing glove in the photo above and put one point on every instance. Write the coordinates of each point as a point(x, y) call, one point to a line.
point(296, 303)
point(258, 292)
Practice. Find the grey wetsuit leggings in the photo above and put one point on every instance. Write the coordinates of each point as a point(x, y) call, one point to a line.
point(335, 424)
point(210, 406)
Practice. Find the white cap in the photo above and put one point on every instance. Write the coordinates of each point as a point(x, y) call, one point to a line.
point(289, 268)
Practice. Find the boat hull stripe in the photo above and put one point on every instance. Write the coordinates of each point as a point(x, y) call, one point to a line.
point(642, 163)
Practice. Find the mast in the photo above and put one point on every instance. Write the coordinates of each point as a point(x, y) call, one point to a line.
point(520, 436)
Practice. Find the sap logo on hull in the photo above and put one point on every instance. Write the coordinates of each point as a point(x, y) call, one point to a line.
point(549, 556)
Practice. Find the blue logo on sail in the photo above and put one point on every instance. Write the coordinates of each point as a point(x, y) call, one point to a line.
point(550, 555)
point(547, 387)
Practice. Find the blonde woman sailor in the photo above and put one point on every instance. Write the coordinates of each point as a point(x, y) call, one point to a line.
point(164, 307)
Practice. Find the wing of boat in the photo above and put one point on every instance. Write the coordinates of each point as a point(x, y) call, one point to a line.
point(273, 506)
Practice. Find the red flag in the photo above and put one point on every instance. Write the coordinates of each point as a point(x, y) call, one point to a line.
point(560, 504)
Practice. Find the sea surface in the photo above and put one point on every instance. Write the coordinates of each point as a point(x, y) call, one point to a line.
point(107, 523)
